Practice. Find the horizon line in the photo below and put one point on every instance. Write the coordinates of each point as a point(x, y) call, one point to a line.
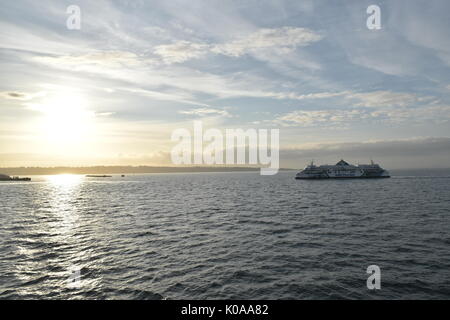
point(136, 169)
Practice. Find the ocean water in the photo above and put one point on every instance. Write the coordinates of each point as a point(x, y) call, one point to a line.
point(224, 236)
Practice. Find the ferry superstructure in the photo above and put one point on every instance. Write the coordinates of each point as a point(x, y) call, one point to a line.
point(341, 170)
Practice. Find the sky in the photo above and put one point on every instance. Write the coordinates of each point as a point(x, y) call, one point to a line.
point(112, 92)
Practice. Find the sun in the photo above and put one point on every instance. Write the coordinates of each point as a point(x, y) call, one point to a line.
point(66, 119)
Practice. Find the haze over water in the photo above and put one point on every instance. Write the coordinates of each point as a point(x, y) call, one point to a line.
point(224, 235)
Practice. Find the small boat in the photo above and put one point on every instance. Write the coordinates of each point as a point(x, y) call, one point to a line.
point(97, 176)
point(4, 177)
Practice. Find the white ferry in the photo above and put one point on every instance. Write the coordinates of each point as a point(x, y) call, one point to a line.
point(342, 169)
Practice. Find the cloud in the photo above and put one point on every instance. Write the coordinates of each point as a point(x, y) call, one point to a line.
point(380, 98)
point(104, 114)
point(425, 29)
point(181, 51)
point(383, 98)
point(437, 114)
point(15, 95)
point(384, 147)
point(178, 96)
point(319, 117)
point(205, 112)
point(283, 39)
point(109, 59)
point(344, 117)
point(319, 95)
point(418, 152)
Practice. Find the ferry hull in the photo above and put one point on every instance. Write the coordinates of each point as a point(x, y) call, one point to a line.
point(325, 178)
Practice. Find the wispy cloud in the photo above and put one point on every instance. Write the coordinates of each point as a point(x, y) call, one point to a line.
point(16, 95)
point(165, 96)
point(181, 51)
point(319, 117)
point(283, 40)
point(206, 112)
point(380, 98)
point(109, 59)
point(437, 114)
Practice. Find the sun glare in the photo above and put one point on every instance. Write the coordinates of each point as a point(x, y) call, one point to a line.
point(66, 119)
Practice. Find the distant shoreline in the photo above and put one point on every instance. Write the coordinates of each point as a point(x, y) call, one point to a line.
point(22, 171)
point(120, 170)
